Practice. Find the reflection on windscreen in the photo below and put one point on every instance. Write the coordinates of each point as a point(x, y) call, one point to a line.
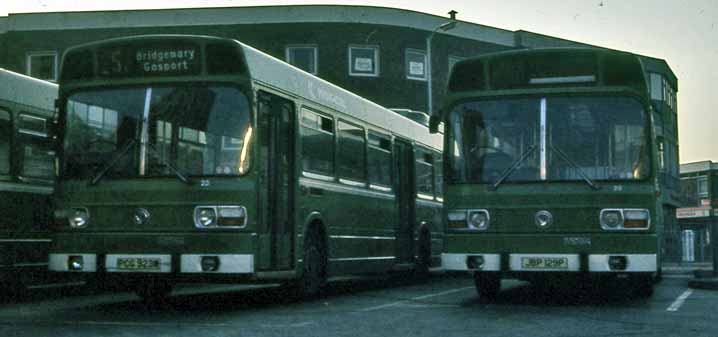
point(200, 130)
point(601, 138)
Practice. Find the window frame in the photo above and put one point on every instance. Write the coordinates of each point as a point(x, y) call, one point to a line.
point(313, 173)
point(376, 70)
point(343, 178)
point(421, 160)
point(438, 172)
point(407, 64)
point(699, 180)
point(656, 89)
point(369, 147)
point(10, 140)
point(315, 50)
point(28, 63)
point(23, 137)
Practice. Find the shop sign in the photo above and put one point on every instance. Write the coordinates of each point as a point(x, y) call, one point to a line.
point(693, 212)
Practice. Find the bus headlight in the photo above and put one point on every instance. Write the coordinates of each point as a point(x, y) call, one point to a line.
point(625, 219)
point(220, 216)
point(479, 220)
point(79, 217)
point(611, 219)
point(468, 220)
point(205, 217)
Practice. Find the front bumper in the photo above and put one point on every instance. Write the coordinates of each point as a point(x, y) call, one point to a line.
point(166, 263)
point(154, 253)
point(594, 263)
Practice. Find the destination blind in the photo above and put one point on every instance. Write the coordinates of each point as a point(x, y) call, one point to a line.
point(136, 61)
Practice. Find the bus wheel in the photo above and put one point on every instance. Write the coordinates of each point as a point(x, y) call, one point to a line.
point(487, 284)
point(423, 261)
point(153, 290)
point(643, 286)
point(314, 273)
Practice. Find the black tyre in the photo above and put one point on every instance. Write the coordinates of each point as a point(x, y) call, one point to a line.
point(423, 260)
point(488, 285)
point(314, 273)
point(153, 290)
point(643, 286)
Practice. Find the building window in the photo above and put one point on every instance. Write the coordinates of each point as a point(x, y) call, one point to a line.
point(656, 87)
point(415, 64)
point(42, 65)
point(303, 57)
point(703, 186)
point(364, 61)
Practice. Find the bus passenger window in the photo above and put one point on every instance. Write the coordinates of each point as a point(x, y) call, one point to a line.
point(379, 160)
point(350, 155)
point(38, 155)
point(424, 174)
point(5, 133)
point(317, 134)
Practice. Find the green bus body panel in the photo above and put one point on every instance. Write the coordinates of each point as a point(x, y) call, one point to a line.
point(356, 221)
point(156, 242)
point(171, 203)
point(575, 207)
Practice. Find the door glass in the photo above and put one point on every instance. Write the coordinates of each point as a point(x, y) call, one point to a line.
point(5, 133)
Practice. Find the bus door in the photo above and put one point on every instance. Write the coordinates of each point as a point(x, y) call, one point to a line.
point(277, 115)
point(405, 200)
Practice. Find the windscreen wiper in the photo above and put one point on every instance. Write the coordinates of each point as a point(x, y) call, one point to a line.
point(169, 165)
point(119, 155)
point(513, 167)
point(578, 168)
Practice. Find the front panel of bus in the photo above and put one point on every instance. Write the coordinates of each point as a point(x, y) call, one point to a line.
point(558, 179)
point(157, 169)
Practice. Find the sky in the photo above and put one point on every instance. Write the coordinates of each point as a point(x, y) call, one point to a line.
point(682, 32)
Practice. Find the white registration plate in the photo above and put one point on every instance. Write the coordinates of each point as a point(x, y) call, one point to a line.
point(136, 263)
point(557, 263)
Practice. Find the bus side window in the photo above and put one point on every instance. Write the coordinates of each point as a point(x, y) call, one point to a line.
point(5, 134)
point(350, 154)
point(36, 151)
point(379, 160)
point(317, 138)
point(424, 175)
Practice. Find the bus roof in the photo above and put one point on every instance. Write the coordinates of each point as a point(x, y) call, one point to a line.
point(26, 90)
point(541, 68)
point(270, 71)
point(277, 74)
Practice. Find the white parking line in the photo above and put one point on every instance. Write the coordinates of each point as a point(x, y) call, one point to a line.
point(680, 300)
point(147, 324)
point(418, 298)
